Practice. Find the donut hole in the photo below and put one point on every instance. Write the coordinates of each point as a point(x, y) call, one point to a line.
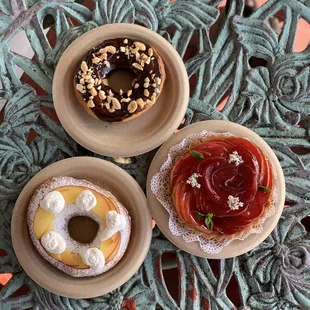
point(83, 229)
point(121, 78)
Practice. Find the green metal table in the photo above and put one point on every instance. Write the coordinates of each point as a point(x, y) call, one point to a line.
point(240, 69)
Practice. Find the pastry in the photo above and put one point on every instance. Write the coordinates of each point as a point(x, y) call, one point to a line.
point(91, 82)
point(222, 186)
point(77, 226)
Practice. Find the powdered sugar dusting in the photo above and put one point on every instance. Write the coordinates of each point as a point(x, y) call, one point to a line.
point(60, 224)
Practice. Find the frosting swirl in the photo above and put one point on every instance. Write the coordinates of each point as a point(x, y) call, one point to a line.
point(115, 222)
point(53, 202)
point(94, 258)
point(53, 242)
point(86, 200)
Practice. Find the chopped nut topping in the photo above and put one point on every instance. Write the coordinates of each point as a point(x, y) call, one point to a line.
point(157, 80)
point(140, 45)
point(150, 52)
point(134, 50)
point(146, 85)
point(146, 93)
point(102, 95)
point(136, 85)
point(111, 93)
point(84, 66)
point(79, 87)
point(96, 60)
point(91, 81)
point(105, 82)
point(122, 49)
point(111, 49)
point(154, 85)
point(132, 106)
point(111, 110)
point(90, 103)
point(106, 63)
point(138, 57)
point(117, 57)
point(125, 99)
point(153, 75)
point(146, 80)
point(150, 102)
point(82, 81)
point(93, 92)
point(104, 57)
point(140, 103)
point(109, 99)
point(148, 60)
point(90, 86)
point(87, 77)
point(99, 87)
point(137, 66)
point(120, 91)
point(125, 41)
point(116, 104)
point(129, 92)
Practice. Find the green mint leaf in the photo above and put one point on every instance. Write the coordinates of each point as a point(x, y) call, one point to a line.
point(196, 154)
point(208, 221)
point(264, 189)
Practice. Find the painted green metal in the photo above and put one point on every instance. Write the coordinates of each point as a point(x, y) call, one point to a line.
point(271, 99)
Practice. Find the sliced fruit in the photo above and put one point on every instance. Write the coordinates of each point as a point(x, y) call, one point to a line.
point(79, 261)
point(108, 246)
point(114, 252)
point(70, 193)
point(57, 256)
point(42, 222)
point(102, 207)
point(68, 259)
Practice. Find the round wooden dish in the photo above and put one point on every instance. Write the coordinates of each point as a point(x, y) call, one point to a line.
point(125, 189)
point(136, 136)
point(236, 247)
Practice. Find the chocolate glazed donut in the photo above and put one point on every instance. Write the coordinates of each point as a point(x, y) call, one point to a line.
point(92, 86)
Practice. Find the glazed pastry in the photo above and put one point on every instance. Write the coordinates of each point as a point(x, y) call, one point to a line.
point(222, 186)
point(57, 212)
point(91, 81)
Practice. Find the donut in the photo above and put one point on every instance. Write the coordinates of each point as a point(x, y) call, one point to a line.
point(57, 212)
point(91, 81)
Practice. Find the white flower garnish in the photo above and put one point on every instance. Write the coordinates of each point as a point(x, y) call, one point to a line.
point(234, 157)
point(192, 180)
point(234, 203)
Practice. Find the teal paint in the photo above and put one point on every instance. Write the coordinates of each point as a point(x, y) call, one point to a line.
point(271, 100)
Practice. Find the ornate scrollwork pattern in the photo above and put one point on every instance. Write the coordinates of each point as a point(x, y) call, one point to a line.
point(240, 69)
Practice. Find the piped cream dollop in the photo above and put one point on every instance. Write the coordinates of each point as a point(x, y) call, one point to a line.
point(94, 258)
point(86, 200)
point(115, 222)
point(53, 202)
point(53, 242)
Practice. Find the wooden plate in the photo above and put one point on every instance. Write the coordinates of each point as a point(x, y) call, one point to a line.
point(136, 136)
point(236, 247)
point(126, 190)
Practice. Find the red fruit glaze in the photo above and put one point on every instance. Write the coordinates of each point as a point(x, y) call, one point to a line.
point(219, 179)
